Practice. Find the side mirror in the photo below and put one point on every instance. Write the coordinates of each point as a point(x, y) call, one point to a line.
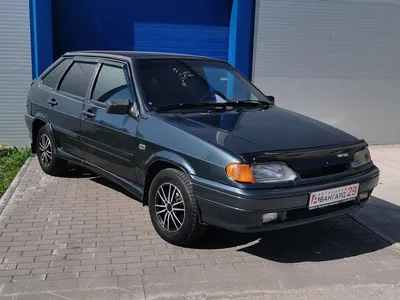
point(134, 110)
point(118, 107)
point(271, 98)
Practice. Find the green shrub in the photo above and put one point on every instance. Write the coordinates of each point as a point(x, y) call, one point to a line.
point(11, 160)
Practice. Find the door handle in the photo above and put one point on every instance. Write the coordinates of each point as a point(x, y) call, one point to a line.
point(88, 114)
point(52, 102)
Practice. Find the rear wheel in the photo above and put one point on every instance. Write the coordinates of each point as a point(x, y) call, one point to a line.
point(173, 208)
point(46, 152)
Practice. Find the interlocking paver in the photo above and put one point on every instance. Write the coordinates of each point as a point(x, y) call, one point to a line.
point(33, 265)
point(37, 253)
point(110, 254)
point(159, 270)
point(111, 267)
point(85, 256)
point(18, 259)
point(29, 278)
point(189, 269)
point(15, 272)
point(73, 269)
point(59, 276)
point(65, 263)
point(42, 243)
point(142, 265)
point(201, 261)
point(184, 256)
point(127, 272)
point(47, 270)
point(155, 258)
point(229, 260)
point(224, 267)
point(4, 267)
point(96, 261)
point(172, 263)
point(95, 274)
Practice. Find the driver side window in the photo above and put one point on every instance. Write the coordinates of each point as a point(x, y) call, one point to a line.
point(111, 84)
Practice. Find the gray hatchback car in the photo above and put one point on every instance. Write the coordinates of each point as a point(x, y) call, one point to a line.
point(196, 141)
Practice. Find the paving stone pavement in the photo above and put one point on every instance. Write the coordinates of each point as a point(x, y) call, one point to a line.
point(81, 237)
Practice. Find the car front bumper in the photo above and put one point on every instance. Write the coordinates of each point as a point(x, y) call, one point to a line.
point(241, 210)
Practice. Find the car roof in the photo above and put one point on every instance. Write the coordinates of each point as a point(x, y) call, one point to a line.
point(136, 54)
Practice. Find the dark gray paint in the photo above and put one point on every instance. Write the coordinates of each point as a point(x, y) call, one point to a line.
point(336, 61)
point(202, 144)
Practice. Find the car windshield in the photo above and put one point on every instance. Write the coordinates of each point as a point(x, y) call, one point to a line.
point(173, 82)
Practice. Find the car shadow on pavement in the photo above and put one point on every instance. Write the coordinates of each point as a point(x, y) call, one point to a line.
point(114, 186)
point(383, 217)
point(75, 171)
point(328, 240)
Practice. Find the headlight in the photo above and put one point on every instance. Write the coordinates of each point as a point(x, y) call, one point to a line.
point(272, 172)
point(361, 158)
point(260, 173)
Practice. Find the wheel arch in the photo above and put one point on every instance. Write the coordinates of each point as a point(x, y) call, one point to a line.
point(161, 161)
point(39, 121)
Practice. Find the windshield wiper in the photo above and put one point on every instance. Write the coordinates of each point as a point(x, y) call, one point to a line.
point(214, 105)
point(251, 102)
point(192, 105)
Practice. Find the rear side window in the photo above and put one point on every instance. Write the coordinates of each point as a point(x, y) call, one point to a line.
point(77, 80)
point(51, 79)
point(111, 84)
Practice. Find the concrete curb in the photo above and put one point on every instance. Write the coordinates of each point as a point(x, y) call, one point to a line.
point(14, 184)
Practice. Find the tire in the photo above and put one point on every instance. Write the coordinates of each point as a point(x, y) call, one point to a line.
point(180, 223)
point(46, 152)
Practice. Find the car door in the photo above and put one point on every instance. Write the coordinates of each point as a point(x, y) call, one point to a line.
point(65, 106)
point(108, 140)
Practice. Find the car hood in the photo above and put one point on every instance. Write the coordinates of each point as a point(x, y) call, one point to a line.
point(256, 130)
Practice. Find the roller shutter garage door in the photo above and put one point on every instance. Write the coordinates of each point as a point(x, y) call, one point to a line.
point(192, 27)
point(15, 70)
point(336, 61)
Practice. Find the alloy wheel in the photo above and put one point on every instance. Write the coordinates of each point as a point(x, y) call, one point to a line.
point(170, 207)
point(45, 150)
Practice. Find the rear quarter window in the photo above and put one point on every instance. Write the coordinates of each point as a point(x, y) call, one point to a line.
point(51, 79)
point(76, 81)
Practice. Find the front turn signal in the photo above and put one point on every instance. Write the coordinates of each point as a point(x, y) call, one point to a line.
point(240, 173)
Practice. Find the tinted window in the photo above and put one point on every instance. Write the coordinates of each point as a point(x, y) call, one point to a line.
point(178, 81)
point(77, 80)
point(52, 78)
point(168, 82)
point(110, 84)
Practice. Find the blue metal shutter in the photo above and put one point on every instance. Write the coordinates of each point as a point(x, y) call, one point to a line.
point(192, 27)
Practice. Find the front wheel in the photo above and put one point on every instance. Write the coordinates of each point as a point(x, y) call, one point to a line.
point(173, 208)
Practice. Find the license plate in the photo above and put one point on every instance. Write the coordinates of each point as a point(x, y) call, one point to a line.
point(333, 196)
